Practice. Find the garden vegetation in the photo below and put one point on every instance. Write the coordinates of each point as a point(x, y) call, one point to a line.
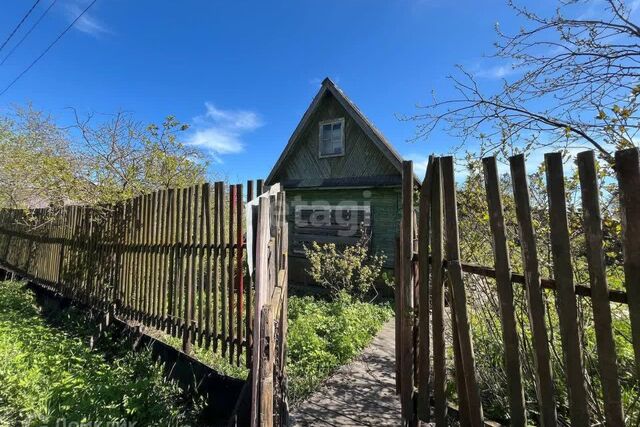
point(48, 372)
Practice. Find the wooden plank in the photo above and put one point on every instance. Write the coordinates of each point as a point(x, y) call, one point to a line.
point(223, 274)
point(565, 294)
point(628, 171)
point(173, 272)
point(195, 243)
point(581, 290)
point(168, 241)
point(154, 291)
point(424, 353)
point(216, 264)
point(206, 190)
point(183, 220)
point(605, 343)
point(201, 264)
point(406, 296)
point(459, 293)
point(535, 303)
point(513, 370)
point(145, 288)
point(397, 311)
point(239, 274)
point(188, 273)
point(231, 291)
point(437, 300)
point(262, 284)
point(249, 303)
point(266, 367)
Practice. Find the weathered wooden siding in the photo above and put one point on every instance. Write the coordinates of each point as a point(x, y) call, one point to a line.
point(361, 159)
point(385, 217)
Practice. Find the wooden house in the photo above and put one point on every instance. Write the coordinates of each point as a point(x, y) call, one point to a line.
point(342, 180)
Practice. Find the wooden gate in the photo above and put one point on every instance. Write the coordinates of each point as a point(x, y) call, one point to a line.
point(431, 284)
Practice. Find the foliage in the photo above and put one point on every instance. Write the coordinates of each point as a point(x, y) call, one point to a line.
point(125, 158)
point(48, 372)
point(322, 335)
point(351, 269)
point(36, 162)
point(99, 160)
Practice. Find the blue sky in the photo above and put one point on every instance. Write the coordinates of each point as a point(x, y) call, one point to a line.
point(242, 73)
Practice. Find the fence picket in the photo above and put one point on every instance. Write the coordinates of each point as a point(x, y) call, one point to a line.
point(459, 294)
point(423, 354)
point(231, 277)
point(239, 268)
point(437, 299)
point(518, 416)
point(406, 295)
point(535, 306)
point(565, 293)
point(628, 170)
point(597, 278)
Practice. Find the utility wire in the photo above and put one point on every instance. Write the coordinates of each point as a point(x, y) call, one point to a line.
point(19, 24)
point(66, 30)
point(28, 32)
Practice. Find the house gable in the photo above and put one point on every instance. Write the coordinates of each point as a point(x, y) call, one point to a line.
point(368, 159)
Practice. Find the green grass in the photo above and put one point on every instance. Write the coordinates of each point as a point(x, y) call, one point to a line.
point(323, 335)
point(48, 372)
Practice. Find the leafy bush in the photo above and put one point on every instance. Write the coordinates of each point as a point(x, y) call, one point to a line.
point(48, 372)
point(326, 334)
point(351, 269)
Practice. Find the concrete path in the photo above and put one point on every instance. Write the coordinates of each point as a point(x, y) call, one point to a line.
point(359, 394)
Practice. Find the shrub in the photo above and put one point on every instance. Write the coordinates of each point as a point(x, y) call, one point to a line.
point(351, 269)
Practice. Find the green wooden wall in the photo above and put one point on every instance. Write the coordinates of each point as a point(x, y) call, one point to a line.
point(385, 206)
point(362, 157)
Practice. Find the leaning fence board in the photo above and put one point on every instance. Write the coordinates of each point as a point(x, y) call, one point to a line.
point(628, 170)
point(565, 294)
point(535, 303)
point(597, 277)
point(459, 294)
point(518, 416)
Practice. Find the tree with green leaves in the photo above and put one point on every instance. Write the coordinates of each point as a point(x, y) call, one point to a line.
point(101, 159)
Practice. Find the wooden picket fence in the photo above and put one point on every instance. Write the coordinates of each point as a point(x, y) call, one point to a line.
point(429, 269)
point(173, 260)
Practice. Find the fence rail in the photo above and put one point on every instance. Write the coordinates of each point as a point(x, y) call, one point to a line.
point(174, 259)
point(430, 272)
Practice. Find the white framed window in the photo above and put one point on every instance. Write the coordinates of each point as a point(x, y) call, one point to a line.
point(332, 138)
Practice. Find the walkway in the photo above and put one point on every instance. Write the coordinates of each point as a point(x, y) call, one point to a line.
point(359, 394)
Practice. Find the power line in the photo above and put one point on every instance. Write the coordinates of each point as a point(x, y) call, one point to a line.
point(48, 48)
point(19, 24)
point(28, 32)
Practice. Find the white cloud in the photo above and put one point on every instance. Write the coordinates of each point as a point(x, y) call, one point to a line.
point(497, 72)
point(87, 23)
point(220, 131)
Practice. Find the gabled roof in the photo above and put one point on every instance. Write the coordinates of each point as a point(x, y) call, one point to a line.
point(369, 129)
